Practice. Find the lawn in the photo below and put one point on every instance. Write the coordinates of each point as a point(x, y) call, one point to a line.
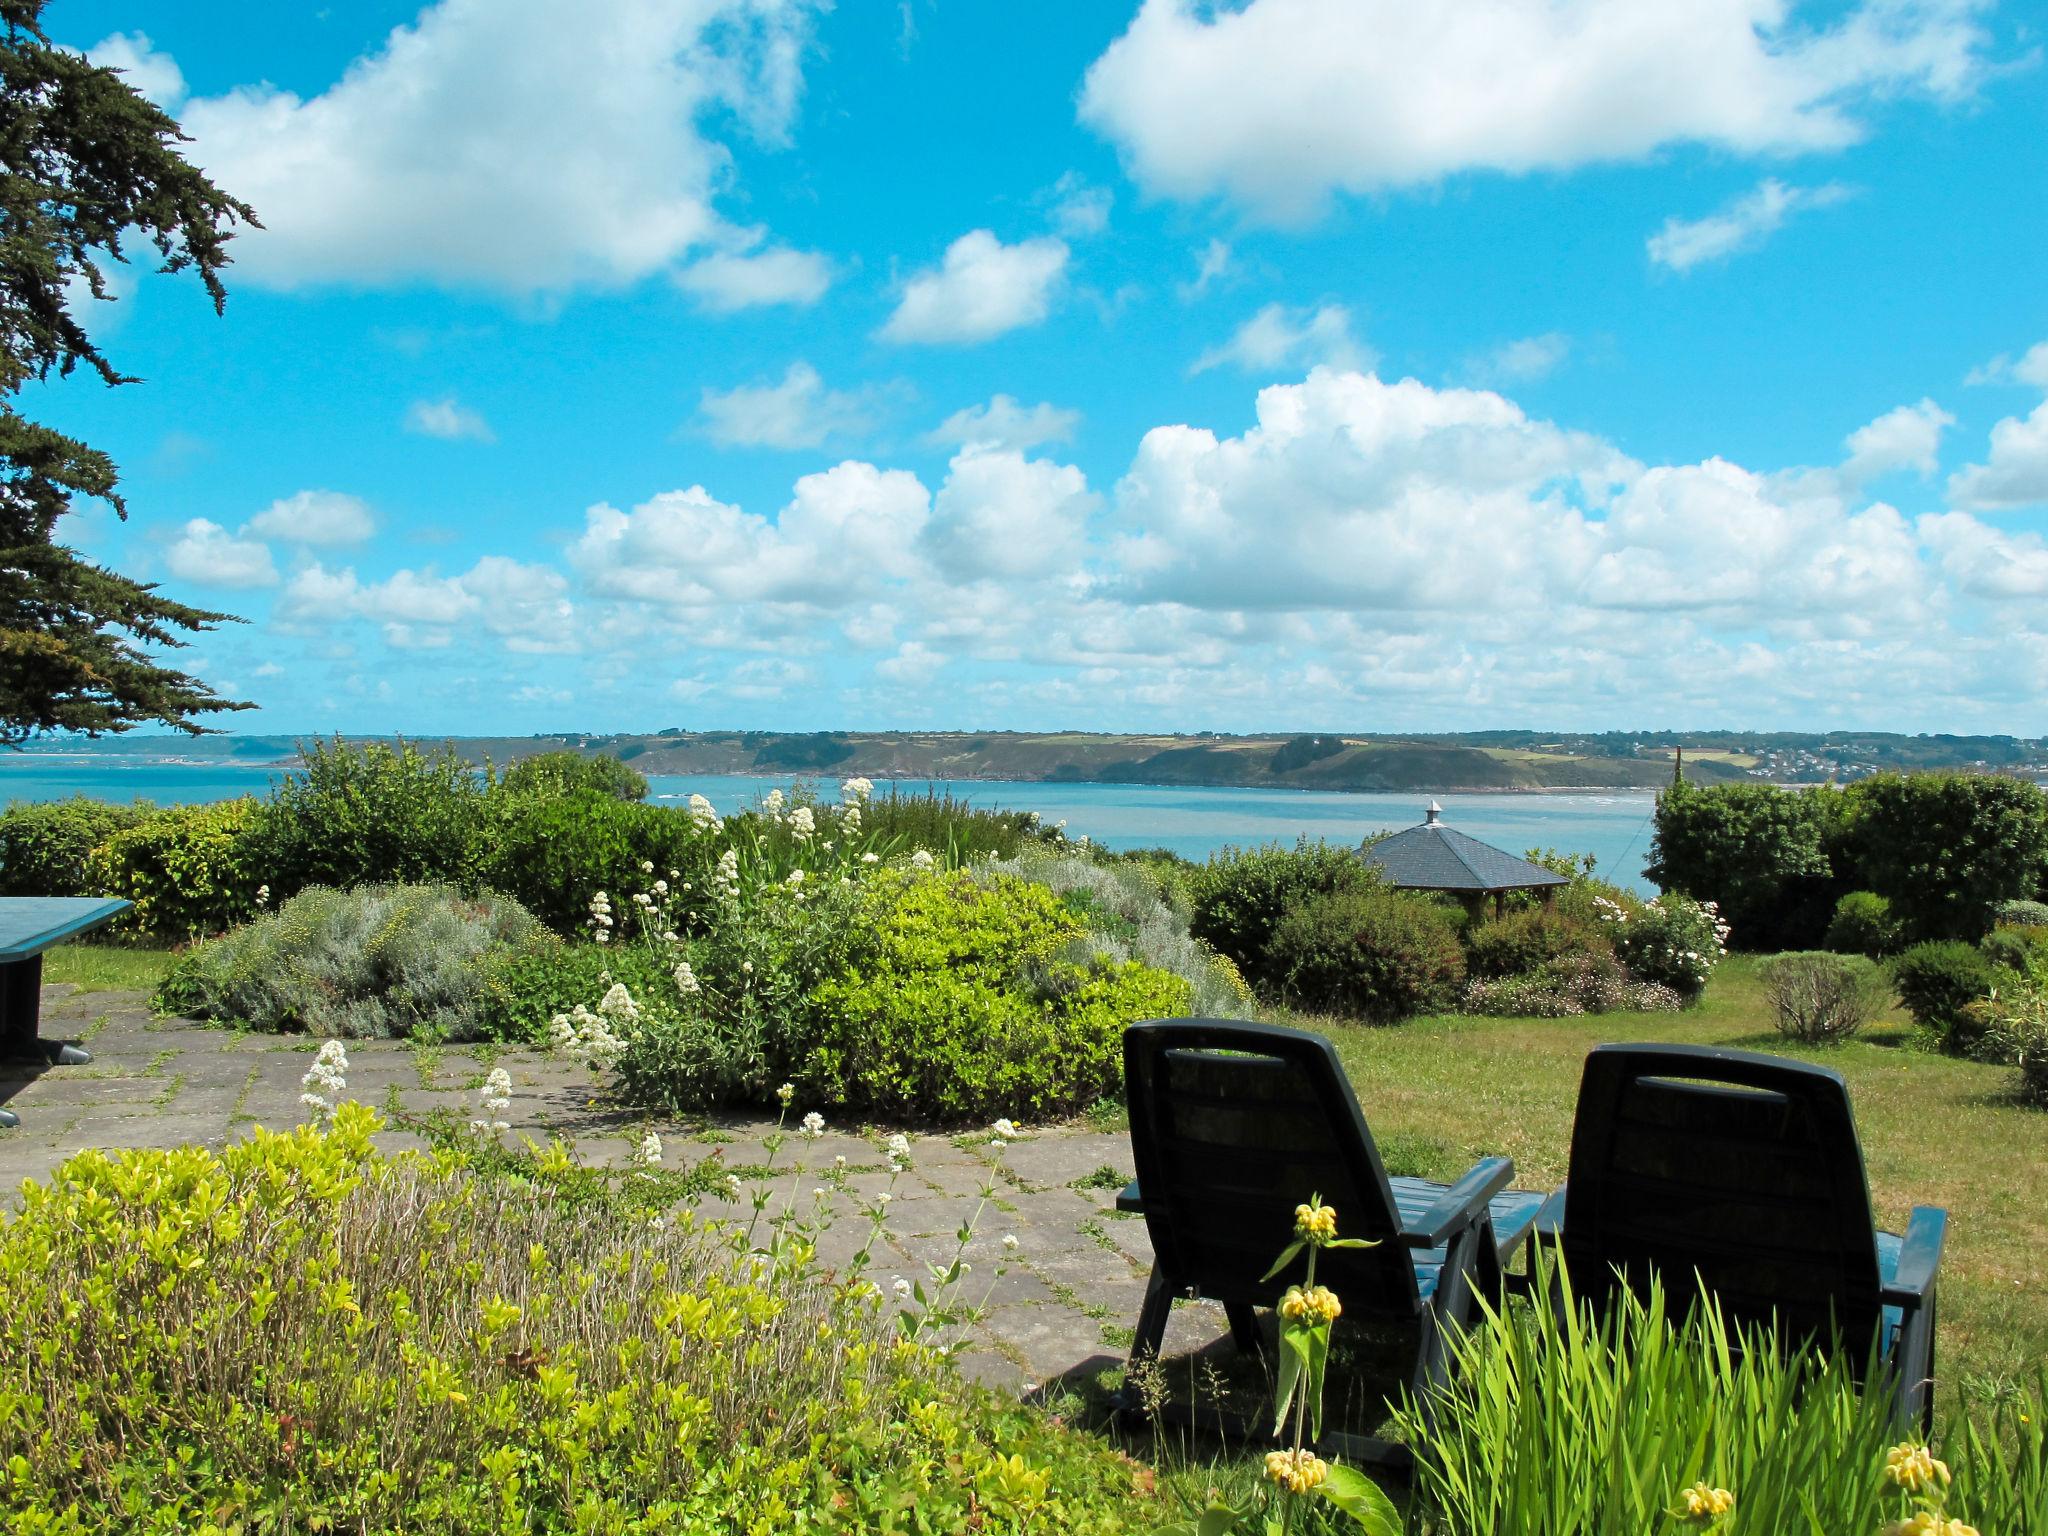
point(106, 967)
point(1440, 1092)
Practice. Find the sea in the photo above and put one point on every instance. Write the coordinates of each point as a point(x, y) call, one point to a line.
point(1612, 825)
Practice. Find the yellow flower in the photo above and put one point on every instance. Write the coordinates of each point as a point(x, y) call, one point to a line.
point(1317, 1223)
point(1703, 1504)
point(1313, 1307)
point(1930, 1523)
point(1914, 1468)
point(1297, 1471)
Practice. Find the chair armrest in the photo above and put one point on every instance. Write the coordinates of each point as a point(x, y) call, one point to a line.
point(1131, 1200)
point(1549, 1221)
point(1460, 1205)
point(1919, 1257)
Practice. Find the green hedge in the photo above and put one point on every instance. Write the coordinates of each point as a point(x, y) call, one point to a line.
point(1373, 954)
point(1240, 897)
point(46, 847)
point(191, 871)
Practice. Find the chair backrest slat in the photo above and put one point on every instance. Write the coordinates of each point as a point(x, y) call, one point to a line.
point(1232, 1126)
point(1739, 1169)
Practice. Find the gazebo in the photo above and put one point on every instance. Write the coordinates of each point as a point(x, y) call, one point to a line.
point(1434, 857)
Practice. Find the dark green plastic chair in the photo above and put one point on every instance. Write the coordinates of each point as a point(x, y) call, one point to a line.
point(1232, 1126)
point(1740, 1174)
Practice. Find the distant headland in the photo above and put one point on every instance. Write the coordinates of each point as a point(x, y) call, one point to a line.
point(1471, 760)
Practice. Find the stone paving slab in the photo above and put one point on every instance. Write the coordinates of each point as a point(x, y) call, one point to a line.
point(1060, 1304)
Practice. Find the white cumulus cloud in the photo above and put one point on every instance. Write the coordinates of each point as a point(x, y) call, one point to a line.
point(2016, 474)
point(799, 412)
point(729, 281)
point(1001, 514)
point(156, 75)
point(449, 419)
point(1277, 104)
point(315, 517)
point(1907, 437)
point(1742, 225)
point(981, 289)
point(1278, 337)
point(206, 553)
point(1523, 360)
point(1003, 423)
point(514, 145)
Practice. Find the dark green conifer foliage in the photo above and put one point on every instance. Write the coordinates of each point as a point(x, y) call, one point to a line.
point(88, 168)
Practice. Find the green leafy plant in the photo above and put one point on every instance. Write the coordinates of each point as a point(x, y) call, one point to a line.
point(1936, 982)
point(190, 870)
point(568, 773)
point(373, 812)
point(1553, 1420)
point(553, 852)
point(1673, 941)
point(1370, 953)
point(1526, 940)
point(1945, 848)
point(1863, 924)
point(299, 1333)
point(1758, 852)
point(46, 847)
point(1296, 1475)
point(388, 961)
point(1819, 997)
point(1241, 896)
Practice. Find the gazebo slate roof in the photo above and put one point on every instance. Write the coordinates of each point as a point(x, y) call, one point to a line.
point(1433, 857)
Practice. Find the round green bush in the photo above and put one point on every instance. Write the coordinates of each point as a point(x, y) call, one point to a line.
point(1936, 981)
point(2017, 947)
point(46, 847)
point(554, 853)
point(1863, 925)
point(2020, 914)
point(393, 961)
point(1818, 996)
point(191, 870)
point(526, 985)
point(371, 812)
point(1373, 954)
point(568, 773)
point(1241, 896)
point(1520, 942)
point(969, 999)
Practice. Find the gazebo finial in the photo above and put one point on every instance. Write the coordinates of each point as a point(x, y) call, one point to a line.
point(1431, 816)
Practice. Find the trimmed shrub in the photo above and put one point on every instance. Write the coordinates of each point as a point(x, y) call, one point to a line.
point(1372, 954)
point(1521, 942)
point(1124, 905)
point(2020, 914)
point(971, 999)
point(298, 1334)
point(46, 847)
point(554, 854)
point(1673, 941)
point(569, 773)
point(2017, 948)
point(1863, 925)
point(191, 870)
point(373, 813)
point(1936, 981)
point(1759, 853)
point(526, 986)
point(386, 961)
point(1945, 847)
point(1820, 997)
point(1242, 894)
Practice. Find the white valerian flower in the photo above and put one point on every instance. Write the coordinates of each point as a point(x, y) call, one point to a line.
point(326, 1080)
point(703, 815)
point(647, 866)
point(902, 1288)
point(871, 858)
point(661, 887)
point(648, 1153)
point(899, 1145)
point(686, 979)
point(747, 967)
point(785, 1093)
point(849, 817)
point(801, 823)
point(772, 804)
point(618, 1005)
point(726, 879)
point(796, 879)
point(921, 859)
point(856, 789)
point(262, 895)
point(826, 845)
point(1006, 1128)
point(1010, 1241)
point(493, 1099)
point(814, 1124)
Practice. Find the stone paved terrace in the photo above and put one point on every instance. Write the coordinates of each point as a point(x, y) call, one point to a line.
point(1063, 1310)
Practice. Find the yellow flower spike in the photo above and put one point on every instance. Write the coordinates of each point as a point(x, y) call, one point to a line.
point(1315, 1223)
point(1703, 1504)
point(1913, 1467)
point(1297, 1471)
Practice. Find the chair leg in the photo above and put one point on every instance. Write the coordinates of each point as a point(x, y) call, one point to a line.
point(1244, 1328)
point(1150, 1334)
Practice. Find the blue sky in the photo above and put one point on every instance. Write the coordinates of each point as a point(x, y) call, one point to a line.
point(1294, 364)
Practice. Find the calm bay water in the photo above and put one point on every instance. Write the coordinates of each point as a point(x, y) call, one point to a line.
point(1613, 825)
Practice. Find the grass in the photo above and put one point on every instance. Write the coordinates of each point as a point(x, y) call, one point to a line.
point(106, 967)
point(1935, 1131)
